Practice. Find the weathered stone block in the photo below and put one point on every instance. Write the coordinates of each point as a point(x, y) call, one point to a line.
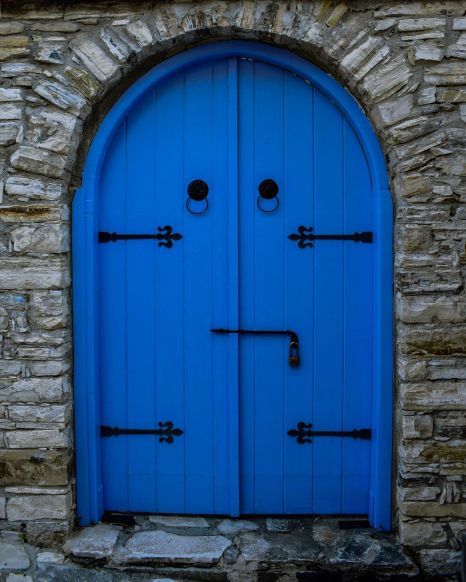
point(13, 557)
point(441, 561)
point(61, 96)
point(49, 51)
point(45, 413)
point(414, 493)
point(451, 94)
point(37, 161)
point(100, 64)
point(422, 533)
point(417, 427)
point(49, 309)
point(34, 507)
point(51, 238)
point(428, 509)
point(33, 213)
point(431, 309)
point(419, 342)
point(2, 507)
point(8, 132)
point(35, 390)
point(95, 542)
point(413, 24)
point(140, 32)
point(82, 81)
point(163, 547)
point(33, 273)
point(386, 81)
point(446, 73)
point(31, 188)
point(13, 46)
point(29, 439)
point(47, 534)
point(433, 396)
point(11, 94)
point(451, 425)
point(52, 130)
point(47, 468)
point(10, 112)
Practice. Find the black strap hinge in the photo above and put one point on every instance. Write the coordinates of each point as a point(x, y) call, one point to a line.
point(165, 236)
point(166, 432)
point(306, 235)
point(304, 433)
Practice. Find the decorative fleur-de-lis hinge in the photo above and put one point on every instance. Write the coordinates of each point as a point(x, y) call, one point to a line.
point(166, 432)
point(165, 236)
point(304, 433)
point(305, 236)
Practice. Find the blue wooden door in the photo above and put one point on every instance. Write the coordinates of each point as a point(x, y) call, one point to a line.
point(195, 421)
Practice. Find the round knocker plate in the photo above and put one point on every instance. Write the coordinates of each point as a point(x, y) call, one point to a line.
point(268, 191)
point(198, 190)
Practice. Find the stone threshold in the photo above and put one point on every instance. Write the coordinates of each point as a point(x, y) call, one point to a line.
point(166, 548)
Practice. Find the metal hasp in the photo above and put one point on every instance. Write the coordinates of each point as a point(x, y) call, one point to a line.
point(304, 433)
point(166, 432)
point(165, 235)
point(293, 358)
point(306, 234)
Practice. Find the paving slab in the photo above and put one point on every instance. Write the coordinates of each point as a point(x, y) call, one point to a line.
point(279, 548)
point(13, 557)
point(278, 525)
point(161, 547)
point(179, 521)
point(50, 558)
point(236, 526)
point(96, 542)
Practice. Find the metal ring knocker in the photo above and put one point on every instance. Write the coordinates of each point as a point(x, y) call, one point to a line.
point(268, 190)
point(197, 191)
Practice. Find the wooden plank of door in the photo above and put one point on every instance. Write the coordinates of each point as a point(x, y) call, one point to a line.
point(198, 294)
point(140, 291)
point(233, 285)
point(112, 324)
point(328, 304)
point(358, 332)
point(247, 215)
point(297, 200)
point(169, 208)
point(270, 363)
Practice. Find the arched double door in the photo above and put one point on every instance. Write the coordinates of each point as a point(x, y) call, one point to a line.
point(235, 312)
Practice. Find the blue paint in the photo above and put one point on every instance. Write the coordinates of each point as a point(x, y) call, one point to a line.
point(177, 123)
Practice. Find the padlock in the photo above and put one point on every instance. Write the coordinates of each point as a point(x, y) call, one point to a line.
point(293, 359)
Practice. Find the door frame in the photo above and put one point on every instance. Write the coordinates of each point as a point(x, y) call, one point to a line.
point(86, 276)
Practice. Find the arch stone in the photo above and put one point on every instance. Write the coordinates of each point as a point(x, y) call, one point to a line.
point(62, 69)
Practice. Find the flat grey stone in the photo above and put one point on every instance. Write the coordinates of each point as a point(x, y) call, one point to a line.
point(163, 547)
point(179, 521)
point(50, 558)
point(279, 548)
point(13, 557)
point(233, 527)
point(18, 578)
point(96, 542)
point(279, 525)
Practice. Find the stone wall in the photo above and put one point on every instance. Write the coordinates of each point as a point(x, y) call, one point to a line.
point(63, 63)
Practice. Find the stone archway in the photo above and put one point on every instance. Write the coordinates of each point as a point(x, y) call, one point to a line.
point(407, 94)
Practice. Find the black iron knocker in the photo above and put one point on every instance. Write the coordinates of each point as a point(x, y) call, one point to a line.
point(197, 191)
point(268, 190)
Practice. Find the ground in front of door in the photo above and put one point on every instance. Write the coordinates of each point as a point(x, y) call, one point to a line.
point(194, 548)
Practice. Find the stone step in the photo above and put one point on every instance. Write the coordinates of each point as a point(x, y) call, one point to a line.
point(213, 549)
